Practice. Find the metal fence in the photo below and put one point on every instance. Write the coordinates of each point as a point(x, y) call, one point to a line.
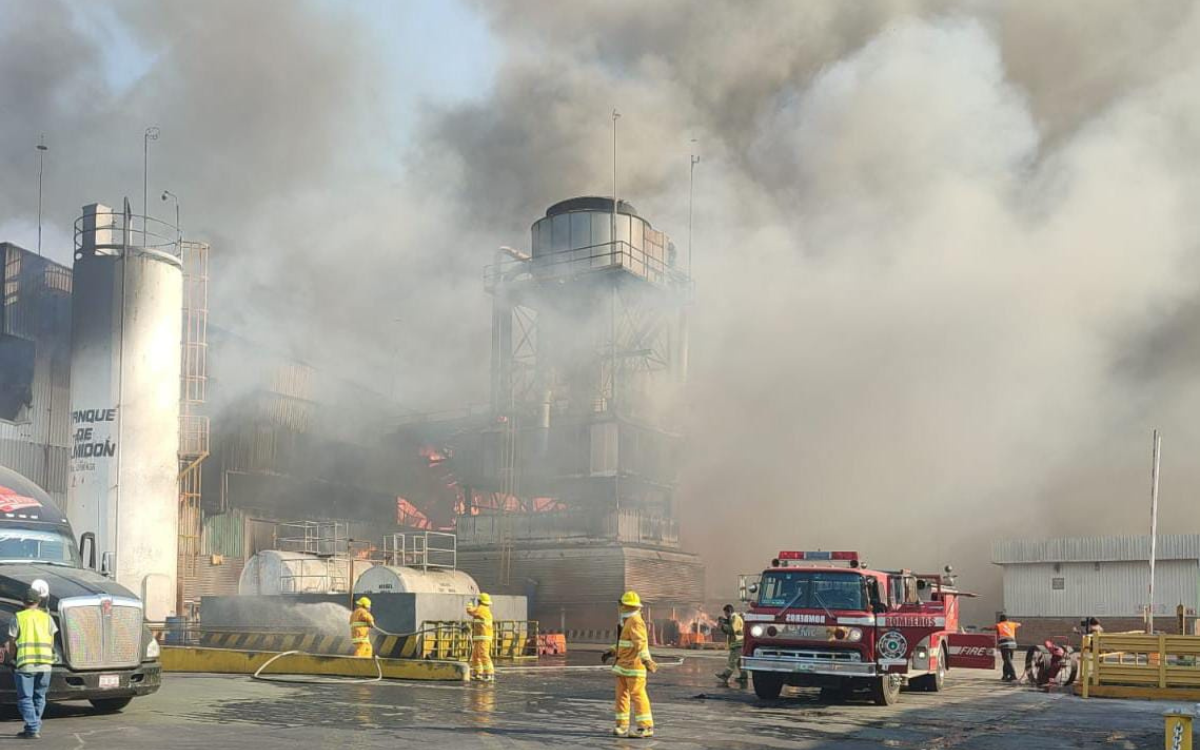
point(1136, 665)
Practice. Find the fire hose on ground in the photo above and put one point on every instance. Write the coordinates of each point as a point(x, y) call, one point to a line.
point(258, 673)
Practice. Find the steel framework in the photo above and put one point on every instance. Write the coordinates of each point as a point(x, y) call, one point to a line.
point(193, 423)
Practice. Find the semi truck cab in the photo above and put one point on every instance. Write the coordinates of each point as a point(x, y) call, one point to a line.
point(104, 653)
point(822, 619)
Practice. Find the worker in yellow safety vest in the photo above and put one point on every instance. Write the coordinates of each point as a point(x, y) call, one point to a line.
point(481, 639)
point(632, 655)
point(361, 622)
point(31, 648)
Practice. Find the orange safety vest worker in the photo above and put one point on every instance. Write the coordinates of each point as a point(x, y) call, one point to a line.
point(481, 639)
point(1006, 630)
point(632, 660)
point(361, 622)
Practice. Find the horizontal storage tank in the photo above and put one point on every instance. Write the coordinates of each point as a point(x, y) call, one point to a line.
point(383, 579)
point(276, 572)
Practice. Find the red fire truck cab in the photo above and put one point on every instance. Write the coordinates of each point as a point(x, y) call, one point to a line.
point(822, 619)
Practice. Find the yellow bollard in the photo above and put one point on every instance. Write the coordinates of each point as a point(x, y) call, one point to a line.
point(1178, 731)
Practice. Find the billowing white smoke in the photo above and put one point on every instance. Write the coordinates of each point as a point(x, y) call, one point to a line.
point(945, 253)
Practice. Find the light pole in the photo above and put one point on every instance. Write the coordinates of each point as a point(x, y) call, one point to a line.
point(42, 148)
point(691, 194)
point(615, 116)
point(178, 228)
point(150, 135)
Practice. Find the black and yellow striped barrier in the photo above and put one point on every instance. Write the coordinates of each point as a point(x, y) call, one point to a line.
point(385, 646)
point(242, 661)
point(446, 640)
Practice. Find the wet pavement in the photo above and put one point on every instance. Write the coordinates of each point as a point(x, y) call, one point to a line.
point(564, 704)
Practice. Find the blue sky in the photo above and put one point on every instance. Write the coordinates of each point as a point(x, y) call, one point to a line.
point(419, 31)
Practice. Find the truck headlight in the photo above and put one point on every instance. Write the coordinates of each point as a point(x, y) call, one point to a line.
point(855, 635)
point(756, 631)
point(152, 649)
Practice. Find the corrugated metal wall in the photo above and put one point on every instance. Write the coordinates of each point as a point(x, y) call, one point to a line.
point(665, 577)
point(224, 534)
point(1113, 589)
point(568, 576)
point(1090, 549)
point(36, 297)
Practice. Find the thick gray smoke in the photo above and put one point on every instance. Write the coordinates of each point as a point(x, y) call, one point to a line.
point(944, 252)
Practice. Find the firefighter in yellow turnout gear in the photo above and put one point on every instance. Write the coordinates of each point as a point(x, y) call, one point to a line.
point(481, 639)
point(733, 627)
point(361, 622)
point(633, 658)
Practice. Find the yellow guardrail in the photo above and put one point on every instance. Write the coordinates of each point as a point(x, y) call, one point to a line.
point(1137, 665)
point(450, 640)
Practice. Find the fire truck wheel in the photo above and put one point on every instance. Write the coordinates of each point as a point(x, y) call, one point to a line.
point(110, 705)
point(768, 685)
point(885, 691)
point(933, 683)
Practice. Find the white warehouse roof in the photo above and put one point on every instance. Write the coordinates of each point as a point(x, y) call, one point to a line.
point(1095, 549)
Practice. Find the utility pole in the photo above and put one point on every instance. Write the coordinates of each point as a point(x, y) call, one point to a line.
point(150, 135)
point(615, 116)
point(1153, 525)
point(42, 148)
point(691, 194)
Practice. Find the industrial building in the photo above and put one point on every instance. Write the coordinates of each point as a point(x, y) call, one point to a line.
point(35, 368)
point(1050, 585)
point(567, 484)
point(562, 490)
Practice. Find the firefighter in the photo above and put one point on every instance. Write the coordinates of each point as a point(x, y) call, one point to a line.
point(481, 639)
point(31, 647)
point(361, 622)
point(732, 626)
point(632, 655)
point(1006, 641)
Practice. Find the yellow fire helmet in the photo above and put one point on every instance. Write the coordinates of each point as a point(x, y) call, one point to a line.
point(485, 599)
point(364, 602)
point(631, 599)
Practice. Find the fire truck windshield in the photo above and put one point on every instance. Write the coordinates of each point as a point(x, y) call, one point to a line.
point(812, 589)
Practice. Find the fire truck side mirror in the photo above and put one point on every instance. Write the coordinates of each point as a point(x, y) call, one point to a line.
point(879, 608)
point(752, 589)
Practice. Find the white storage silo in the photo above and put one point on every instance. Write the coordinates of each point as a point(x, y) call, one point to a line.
point(125, 370)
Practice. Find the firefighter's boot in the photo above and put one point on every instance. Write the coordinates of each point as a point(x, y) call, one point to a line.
point(642, 732)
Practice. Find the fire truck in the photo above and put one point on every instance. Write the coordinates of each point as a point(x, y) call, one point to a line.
point(825, 620)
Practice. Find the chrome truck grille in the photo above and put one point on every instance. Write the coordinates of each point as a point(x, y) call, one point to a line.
point(101, 632)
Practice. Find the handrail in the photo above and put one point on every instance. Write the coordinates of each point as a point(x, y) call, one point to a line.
point(612, 255)
point(117, 230)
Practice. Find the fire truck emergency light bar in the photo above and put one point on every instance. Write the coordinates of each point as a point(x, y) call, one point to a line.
point(794, 555)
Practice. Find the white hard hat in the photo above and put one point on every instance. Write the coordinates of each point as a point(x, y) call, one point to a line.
point(41, 587)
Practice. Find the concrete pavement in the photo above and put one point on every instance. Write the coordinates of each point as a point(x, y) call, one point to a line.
point(569, 703)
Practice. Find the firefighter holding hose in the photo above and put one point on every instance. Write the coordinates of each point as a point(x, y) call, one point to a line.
point(361, 622)
point(733, 626)
point(481, 639)
point(633, 658)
